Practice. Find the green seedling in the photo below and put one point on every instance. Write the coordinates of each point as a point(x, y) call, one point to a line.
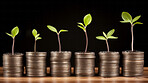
point(36, 37)
point(53, 29)
point(87, 20)
point(106, 37)
point(13, 34)
point(127, 18)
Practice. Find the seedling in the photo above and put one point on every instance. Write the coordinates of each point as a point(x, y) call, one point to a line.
point(106, 37)
point(53, 29)
point(87, 20)
point(36, 37)
point(13, 34)
point(127, 18)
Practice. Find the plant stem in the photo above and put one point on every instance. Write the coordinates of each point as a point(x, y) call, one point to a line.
point(35, 47)
point(13, 46)
point(107, 45)
point(86, 41)
point(59, 42)
point(132, 43)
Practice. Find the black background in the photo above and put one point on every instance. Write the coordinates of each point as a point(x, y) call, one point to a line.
point(106, 15)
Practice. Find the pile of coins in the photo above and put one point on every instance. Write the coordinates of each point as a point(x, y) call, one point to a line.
point(60, 64)
point(36, 64)
point(109, 64)
point(13, 65)
point(133, 63)
point(85, 64)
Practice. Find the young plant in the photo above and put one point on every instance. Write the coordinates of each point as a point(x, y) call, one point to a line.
point(36, 37)
point(14, 32)
point(87, 20)
point(127, 18)
point(106, 37)
point(53, 29)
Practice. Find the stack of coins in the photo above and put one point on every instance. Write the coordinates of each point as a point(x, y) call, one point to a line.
point(36, 64)
point(60, 63)
point(13, 65)
point(109, 64)
point(133, 63)
point(84, 64)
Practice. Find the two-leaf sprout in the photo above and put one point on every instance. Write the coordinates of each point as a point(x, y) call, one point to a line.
point(14, 32)
point(127, 18)
point(36, 37)
point(106, 37)
point(87, 20)
point(53, 29)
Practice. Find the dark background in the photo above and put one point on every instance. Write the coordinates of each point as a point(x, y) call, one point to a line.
point(106, 15)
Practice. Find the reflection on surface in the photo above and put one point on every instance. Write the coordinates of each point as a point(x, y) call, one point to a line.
point(59, 79)
point(29, 80)
point(11, 79)
point(71, 80)
point(78, 79)
point(35, 80)
point(41, 80)
point(83, 80)
point(89, 80)
point(103, 80)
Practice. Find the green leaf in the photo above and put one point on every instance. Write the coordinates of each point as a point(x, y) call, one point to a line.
point(38, 38)
point(52, 28)
point(101, 38)
point(14, 31)
point(105, 35)
point(9, 35)
point(62, 30)
point(37, 35)
point(126, 16)
point(87, 19)
point(81, 24)
point(34, 32)
point(112, 37)
point(124, 21)
point(138, 23)
point(136, 18)
point(111, 32)
point(81, 27)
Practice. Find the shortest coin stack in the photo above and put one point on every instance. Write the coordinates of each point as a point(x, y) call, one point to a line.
point(109, 64)
point(36, 64)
